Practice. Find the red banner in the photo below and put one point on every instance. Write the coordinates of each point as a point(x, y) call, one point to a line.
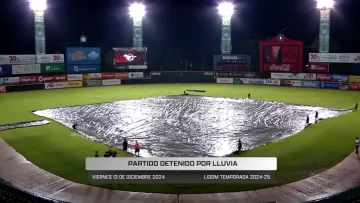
point(121, 75)
point(107, 76)
point(2, 89)
point(53, 78)
point(318, 67)
point(29, 79)
point(323, 77)
point(287, 68)
point(353, 86)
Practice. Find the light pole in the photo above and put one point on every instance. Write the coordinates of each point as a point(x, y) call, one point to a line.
point(137, 12)
point(39, 7)
point(324, 35)
point(226, 10)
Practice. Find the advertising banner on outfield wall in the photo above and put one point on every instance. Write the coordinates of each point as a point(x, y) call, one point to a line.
point(121, 75)
point(252, 81)
point(52, 68)
point(238, 81)
point(354, 78)
point(294, 76)
point(74, 69)
point(136, 75)
point(32, 59)
point(11, 81)
point(83, 55)
point(54, 85)
point(5, 70)
point(354, 87)
point(335, 57)
point(2, 89)
point(328, 85)
point(92, 83)
point(272, 82)
point(292, 83)
point(310, 84)
point(111, 82)
point(225, 80)
point(343, 86)
point(72, 84)
point(74, 77)
point(324, 77)
point(238, 74)
point(26, 69)
point(339, 78)
point(106, 76)
point(52, 78)
point(29, 79)
point(92, 76)
point(318, 67)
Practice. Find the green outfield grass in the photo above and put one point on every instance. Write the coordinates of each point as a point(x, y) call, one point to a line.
point(52, 147)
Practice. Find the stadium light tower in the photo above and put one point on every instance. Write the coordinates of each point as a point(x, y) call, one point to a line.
point(137, 12)
point(39, 7)
point(324, 35)
point(226, 10)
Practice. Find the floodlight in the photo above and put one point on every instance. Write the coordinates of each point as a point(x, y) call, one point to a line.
point(226, 9)
point(325, 4)
point(38, 5)
point(137, 11)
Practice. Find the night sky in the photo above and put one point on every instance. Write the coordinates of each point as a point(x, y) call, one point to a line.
point(174, 30)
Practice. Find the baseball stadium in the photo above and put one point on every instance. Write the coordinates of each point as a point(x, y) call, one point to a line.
point(60, 110)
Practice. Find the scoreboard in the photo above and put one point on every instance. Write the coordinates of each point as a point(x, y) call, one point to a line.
point(231, 63)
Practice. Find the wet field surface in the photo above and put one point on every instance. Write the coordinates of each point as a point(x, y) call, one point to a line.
point(23, 125)
point(187, 126)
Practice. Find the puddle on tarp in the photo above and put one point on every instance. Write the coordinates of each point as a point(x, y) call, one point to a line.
point(188, 126)
point(23, 125)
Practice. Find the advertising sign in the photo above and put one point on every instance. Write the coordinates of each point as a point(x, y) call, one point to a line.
point(225, 80)
point(136, 75)
point(310, 84)
point(2, 89)
point(296, 76)
point(343, 87)
point(327, 85)
point(111, 82)
point(83, 55)
point(17, 59)
point(72, 84)
point(106, 76)
point(121, 75)
point(324, 77)
point(292, 83)
point(92, 76)
point(29, 79)
point(272, 82)
point(353, 86)
point(238, 81)
point(50, 58)
point(10, 81)
point(130, 58)
point(252, 81)
point(54, 85)
point(26, 69)
point(53, 68)
point(318, 67)
point(288, 68)
point(339, 78)
point(208, 73)
point(335, 57)
point(354, 78)
point(93, 83)
point(5, 70)
point(74, 69)
point(74, 77)
point(52, 78)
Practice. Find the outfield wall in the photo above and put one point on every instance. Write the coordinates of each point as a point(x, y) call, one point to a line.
point(63, 81)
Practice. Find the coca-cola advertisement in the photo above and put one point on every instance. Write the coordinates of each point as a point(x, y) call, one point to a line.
point(281, 54)
point(29, 79)
point(324, 77)
point(287, 68)
point(353, 86)
point(106, 76)
point(318, 67)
